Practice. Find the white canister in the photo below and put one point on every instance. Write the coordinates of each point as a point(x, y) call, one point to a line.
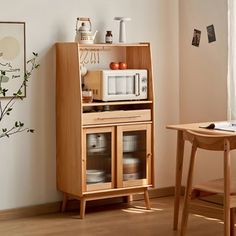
point(96, 143)
point(130, 143)
point(130, 164)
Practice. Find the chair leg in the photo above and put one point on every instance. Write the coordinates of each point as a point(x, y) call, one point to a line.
point(188, 192)
point(232, 222)
point(64, 202)
point(226, 188)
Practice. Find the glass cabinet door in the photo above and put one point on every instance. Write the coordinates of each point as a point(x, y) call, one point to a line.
point(134, 155)
point(99, 158)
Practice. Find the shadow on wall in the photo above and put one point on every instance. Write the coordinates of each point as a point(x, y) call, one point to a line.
point(43, 162)
point(101, 25)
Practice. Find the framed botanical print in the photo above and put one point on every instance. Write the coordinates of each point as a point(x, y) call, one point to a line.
point(12, 58)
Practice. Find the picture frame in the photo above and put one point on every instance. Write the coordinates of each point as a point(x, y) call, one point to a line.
point(12, 58)
point(211, 33)
point(196, 38)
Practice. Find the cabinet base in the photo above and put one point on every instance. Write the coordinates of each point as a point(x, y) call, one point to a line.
point(88, 196)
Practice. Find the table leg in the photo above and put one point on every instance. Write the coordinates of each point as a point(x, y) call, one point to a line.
point(178, 176)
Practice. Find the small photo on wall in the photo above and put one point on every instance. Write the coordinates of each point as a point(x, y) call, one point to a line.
point(196, 38)
point(211, 33)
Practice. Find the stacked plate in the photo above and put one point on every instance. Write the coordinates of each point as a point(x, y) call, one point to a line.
point(95, 176)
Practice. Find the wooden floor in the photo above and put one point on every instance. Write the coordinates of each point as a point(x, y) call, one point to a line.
point(119, 219)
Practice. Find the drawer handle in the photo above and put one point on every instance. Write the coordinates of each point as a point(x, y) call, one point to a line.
point(117, 117)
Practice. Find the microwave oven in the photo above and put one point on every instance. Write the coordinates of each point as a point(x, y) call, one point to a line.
point(117, 85)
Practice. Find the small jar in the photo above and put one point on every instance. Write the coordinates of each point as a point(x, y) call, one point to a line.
point(109, 37)
point(87, 96)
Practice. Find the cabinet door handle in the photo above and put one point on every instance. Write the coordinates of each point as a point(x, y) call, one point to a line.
point(117, 117)
point(149, 155)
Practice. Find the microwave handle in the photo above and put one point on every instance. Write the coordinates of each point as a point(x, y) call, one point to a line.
point(137, 84)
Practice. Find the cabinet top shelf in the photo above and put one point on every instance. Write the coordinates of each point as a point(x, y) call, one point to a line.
point(144, 44)
point(139, 44)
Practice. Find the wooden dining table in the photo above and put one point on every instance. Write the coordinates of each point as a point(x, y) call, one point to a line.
point(181, 129)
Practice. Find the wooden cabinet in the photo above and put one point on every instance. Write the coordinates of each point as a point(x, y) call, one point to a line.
point(102, 154)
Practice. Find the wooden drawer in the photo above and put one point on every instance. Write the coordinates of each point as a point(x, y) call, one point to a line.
point(116, 117)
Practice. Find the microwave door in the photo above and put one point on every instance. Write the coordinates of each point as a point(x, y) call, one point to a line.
point(121, 85)
point(137, 84)
point(130, 85)
point(111, 85)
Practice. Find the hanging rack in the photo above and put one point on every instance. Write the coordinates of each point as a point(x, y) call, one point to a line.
point(90, 55)
point(94, 49)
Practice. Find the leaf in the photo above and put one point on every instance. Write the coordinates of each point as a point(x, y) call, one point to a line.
point(30, 130)
point(4, 91)
point(4, 130)
point(21, 124)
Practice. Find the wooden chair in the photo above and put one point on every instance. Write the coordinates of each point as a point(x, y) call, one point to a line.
point(223, 186)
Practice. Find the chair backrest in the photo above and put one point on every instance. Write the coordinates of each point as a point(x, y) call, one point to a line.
point(216, 142)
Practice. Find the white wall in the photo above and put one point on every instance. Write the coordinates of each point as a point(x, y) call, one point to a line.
point(27, 162)
point(203, 72)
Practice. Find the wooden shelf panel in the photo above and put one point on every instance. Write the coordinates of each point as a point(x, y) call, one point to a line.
point(117, 124)
point(144, 44)
point(115, 103)
point(125, 191)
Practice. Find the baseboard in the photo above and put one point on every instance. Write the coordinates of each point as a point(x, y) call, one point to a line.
point(54, 207)
point(156, 192)
point(30, 211)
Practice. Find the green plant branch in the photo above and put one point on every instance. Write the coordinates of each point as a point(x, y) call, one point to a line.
point(0, 107)
point(15, 130)
point(6, 109)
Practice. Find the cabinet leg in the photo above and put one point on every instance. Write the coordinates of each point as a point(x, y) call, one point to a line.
point(146, 199)
point(64, 202)
point(128, 199)
point(82, 207)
